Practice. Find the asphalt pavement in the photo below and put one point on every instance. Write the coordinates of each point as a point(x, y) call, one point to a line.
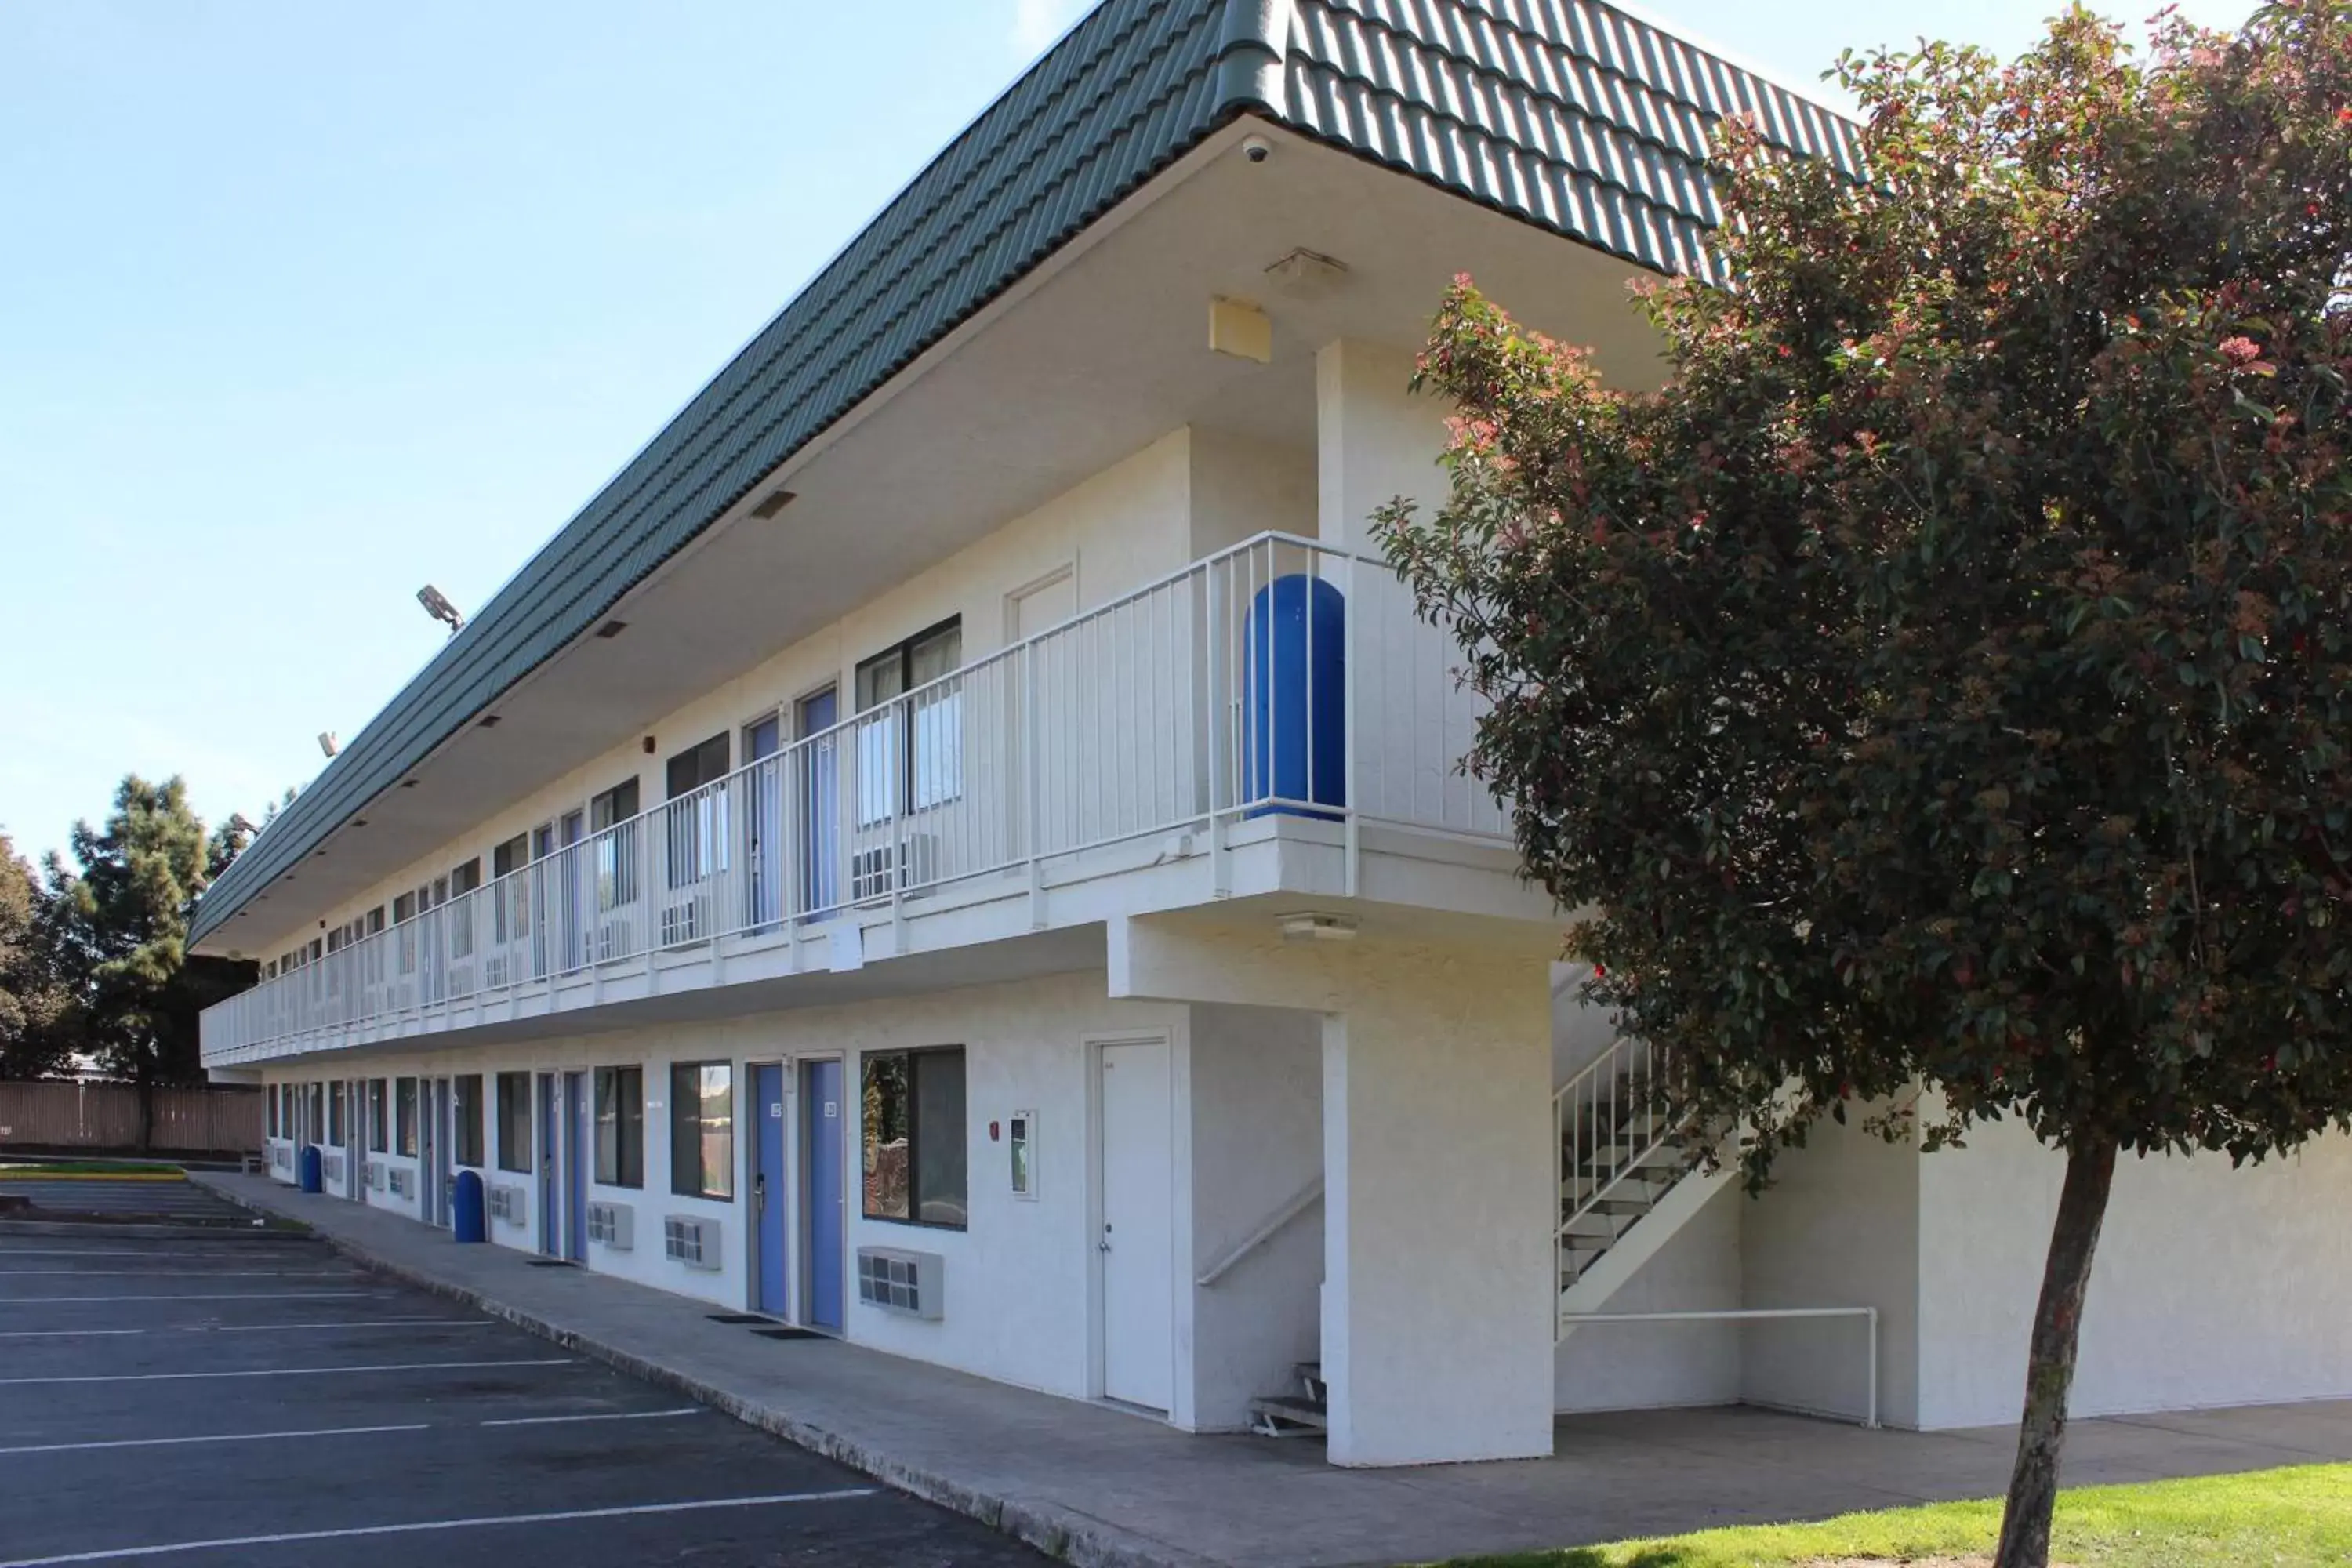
point(265, 1403)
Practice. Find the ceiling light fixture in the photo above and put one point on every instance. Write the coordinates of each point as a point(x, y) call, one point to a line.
point(774, 503)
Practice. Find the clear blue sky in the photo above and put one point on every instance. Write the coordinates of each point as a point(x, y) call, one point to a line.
point(302, 306)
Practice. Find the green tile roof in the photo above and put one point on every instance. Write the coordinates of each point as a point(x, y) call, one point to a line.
point(1567, 113)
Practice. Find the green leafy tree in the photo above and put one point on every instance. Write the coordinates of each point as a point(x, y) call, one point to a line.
point(35, 1034)
point(126, 926)
point(1942, 690)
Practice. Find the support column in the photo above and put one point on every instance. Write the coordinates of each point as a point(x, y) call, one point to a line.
point(1438, 1205)
point(1441, 1185)
point(1374, 439)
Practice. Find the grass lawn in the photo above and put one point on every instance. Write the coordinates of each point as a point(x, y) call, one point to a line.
point(2294, 1518)
point(111, 1169)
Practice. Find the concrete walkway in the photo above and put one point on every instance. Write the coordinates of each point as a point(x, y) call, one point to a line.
point(1099, 1487)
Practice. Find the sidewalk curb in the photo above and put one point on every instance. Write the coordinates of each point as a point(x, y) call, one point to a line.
point(1073, 1537)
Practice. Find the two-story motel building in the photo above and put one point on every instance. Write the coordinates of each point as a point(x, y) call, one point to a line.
point(959, 844)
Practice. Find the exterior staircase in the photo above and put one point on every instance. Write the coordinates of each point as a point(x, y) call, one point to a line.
point(1303, 1414)
point(1628, 1181)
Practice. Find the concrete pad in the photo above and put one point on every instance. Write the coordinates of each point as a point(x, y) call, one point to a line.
point(1099, 1486)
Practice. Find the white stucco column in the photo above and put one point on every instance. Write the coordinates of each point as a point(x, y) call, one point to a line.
point(1374, 439)
point(1439, 1180)
point(1438, 1202)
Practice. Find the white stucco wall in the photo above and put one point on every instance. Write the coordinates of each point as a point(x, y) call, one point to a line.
point(1840, 1228)
point(1640, 1366)
point(2211, 1287)
point(1257, 1139)
point(1017, 1280)
point(1127, 525)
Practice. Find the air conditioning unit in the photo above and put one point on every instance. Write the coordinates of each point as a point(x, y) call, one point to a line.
point(914, 1283)
point(613, 1226)
point(878, 872)
point(511, 1204)
point(610, 941)
point(403, 1182)
point(693, 1242)
point(333, 1167)
point(373, 1174)
point(682, 923)
point(494, 972)
point(282, 1157)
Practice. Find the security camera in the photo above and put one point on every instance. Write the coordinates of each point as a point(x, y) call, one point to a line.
point(1257, 149)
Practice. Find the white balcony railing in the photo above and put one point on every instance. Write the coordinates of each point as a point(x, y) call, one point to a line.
point(1277, 676)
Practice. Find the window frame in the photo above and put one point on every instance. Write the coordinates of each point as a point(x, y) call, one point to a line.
point(404, 1117)
point(627, 1125)
point(466, 1113)
point(379, 1099)
point(512, 1091)
point(699, 1141)
point(916, 1141)
point(904, 729)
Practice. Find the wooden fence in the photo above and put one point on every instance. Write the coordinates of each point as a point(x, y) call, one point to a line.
point(47, 1115)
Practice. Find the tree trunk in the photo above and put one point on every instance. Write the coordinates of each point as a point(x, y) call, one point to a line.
point(2050, 1365)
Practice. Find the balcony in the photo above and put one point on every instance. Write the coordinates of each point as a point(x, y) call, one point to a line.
point(1280, 688)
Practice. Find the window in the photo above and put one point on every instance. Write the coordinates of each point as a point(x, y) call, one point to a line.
point(693, 831)
point(379, 1125)
point(616, 853)
point(702, 1130)
point(403, 1109)
point(620, 1127)
point(467, 1093)
point(269, 1104)
point(510, 857)
point(913, 1116)
point(910, 755)
point(375, 921)
point(514, 1121)
point(403, 909)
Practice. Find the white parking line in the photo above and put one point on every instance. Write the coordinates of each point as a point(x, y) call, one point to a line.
point(279, 1372)
point(246, 1327)
point(234, 1296)
point(185, 1273)
point(221, 1438)
point(118, 1554)
point(558, 1420)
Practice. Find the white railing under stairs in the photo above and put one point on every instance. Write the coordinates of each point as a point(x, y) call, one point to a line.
point(1618, 1153)
point(1278, 676)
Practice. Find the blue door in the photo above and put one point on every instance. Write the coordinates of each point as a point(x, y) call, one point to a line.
point(575, 1166)
point(768, 1185)
point(823, 1114)
point(820, 803)
point(551, 1126)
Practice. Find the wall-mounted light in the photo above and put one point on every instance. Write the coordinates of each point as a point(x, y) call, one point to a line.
point(328, 743)
point(1316, 925)
point(774, 503)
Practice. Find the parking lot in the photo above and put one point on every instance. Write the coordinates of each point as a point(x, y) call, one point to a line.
point(257, 1401)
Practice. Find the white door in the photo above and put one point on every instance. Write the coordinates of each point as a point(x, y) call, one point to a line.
point(1138, 1279)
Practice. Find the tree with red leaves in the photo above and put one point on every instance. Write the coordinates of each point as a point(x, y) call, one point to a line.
point(1942, 689)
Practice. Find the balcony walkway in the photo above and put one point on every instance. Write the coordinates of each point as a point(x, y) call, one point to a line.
point(1099, 1487)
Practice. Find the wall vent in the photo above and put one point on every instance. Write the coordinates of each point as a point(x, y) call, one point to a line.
point(914, 1283)
point(693, 1242)
point(613, 1226)
point(404, 1182)
point(373, 1174)
point(511, 1205)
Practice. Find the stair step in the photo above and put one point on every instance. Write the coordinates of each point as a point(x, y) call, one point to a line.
point(1602, 1220)
point(1286, 1415)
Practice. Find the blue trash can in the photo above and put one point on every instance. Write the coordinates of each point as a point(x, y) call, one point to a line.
point(1294, 671)
point(469, 1216)
point(309, 1171)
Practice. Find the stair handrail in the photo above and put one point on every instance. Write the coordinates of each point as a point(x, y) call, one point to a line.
point(1305, 1198)
point(1624, 1075)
